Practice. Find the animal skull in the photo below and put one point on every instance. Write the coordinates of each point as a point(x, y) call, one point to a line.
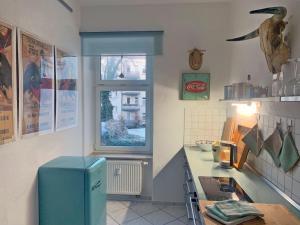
point(271, 37)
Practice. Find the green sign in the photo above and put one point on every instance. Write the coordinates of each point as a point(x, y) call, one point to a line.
point(195, 86)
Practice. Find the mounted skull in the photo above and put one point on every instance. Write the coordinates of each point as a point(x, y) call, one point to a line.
point(271, 37)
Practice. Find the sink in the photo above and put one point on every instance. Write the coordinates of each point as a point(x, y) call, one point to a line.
point(222, 188)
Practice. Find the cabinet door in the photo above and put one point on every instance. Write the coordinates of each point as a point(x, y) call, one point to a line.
point(95, 181)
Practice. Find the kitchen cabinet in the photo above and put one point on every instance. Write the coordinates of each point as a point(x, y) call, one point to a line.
point(191, 198)
point(200, 163)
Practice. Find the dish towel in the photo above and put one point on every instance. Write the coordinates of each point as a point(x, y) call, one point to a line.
point(273, 145)
point(289, 154)
point(229, 210)
point(253, 139)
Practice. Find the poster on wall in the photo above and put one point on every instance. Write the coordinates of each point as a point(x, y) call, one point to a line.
point(7, 83)
point(36, 62)
point(195, 86)
point(66, 90)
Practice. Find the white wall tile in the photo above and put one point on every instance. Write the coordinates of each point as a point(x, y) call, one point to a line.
point(297, 126)
point(288, 183)
point(204, 123)
point(296, 188)
point(296, 173)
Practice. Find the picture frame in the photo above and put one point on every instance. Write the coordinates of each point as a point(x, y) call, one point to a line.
point(66, 91)
point(36, 85)
point(195, 86)
point(8, 89)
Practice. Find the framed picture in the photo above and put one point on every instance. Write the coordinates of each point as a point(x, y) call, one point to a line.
point(195, 86)
point(66, 90)
point(8, 107)
point(36, 77)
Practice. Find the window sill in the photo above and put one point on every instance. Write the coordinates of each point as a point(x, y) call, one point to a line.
point(122, 156)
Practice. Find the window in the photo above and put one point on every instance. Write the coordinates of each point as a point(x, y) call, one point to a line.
point(124, 93)
point(124, 87)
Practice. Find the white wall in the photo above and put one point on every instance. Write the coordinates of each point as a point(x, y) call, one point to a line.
point(19, 161)
point(186, 26)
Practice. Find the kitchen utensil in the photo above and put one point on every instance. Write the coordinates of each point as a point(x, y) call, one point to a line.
point(228, 129)
point(242, 148)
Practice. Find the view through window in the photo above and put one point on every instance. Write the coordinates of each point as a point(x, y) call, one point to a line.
point(124, 107)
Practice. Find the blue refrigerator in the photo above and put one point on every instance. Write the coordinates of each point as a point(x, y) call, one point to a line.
point(72, 191)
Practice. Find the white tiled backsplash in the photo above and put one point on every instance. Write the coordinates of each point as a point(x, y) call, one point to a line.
point(205, 122)
point(289, 182)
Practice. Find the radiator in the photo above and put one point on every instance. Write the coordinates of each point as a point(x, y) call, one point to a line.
point(124, 177)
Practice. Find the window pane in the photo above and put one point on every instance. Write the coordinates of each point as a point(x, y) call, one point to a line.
point(123, 118)
point(123, 67)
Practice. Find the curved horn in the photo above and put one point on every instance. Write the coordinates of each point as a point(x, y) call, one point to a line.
point(251, 35)
point(280, 11)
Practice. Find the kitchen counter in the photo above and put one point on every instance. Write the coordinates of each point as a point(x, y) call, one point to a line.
point(202, 164)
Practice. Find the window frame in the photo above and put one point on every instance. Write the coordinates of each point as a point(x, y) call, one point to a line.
point(126, 85)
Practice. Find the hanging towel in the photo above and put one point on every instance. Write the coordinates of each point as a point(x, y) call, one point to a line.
point(273, 145)
point(289, 155)
point(253, 139)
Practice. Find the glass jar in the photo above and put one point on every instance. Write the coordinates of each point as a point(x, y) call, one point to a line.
point(292, 87)
point(296, 88)
point(276, 85)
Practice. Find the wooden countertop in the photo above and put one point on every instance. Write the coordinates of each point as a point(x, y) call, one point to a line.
point(274, 214)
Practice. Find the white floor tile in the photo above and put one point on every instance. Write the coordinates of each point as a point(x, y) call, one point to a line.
point(176, 211)
point(159, 218)
point(176, 222)
point(143, 208)
point(113, 206)
point(124, 215)
point(139, 221)
point(110, 221)
point(184, 219)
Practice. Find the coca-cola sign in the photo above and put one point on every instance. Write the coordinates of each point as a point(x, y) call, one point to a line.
point(196, 86)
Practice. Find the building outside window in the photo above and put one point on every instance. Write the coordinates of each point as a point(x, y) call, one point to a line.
point(124, 93)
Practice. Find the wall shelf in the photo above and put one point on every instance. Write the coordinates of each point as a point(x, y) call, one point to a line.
point(266, 99)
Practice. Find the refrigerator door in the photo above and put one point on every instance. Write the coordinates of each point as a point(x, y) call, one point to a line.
point(95, 199)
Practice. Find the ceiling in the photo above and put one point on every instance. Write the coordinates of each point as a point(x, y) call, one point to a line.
point(142, 2)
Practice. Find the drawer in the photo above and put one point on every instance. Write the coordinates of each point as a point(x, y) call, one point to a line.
point(194, 215)
point(187, 173)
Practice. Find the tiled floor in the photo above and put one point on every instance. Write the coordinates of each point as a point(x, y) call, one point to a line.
point(145, 213)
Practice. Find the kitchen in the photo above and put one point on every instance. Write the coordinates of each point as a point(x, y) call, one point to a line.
point(205, 25)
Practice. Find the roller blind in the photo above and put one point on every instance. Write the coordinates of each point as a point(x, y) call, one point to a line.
point(116, 43)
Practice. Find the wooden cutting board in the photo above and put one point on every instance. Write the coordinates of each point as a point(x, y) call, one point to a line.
point(274, 214)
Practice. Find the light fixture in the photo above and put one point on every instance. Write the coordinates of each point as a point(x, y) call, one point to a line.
point(246, 109)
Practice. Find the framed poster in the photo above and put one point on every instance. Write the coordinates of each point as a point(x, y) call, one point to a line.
point(36, 64)
point(7, 83)
point(66, 90)
point(195, 86)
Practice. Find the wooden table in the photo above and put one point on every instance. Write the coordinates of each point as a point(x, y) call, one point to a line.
point(274, 214)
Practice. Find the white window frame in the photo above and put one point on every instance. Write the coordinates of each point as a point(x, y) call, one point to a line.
point(126, 85)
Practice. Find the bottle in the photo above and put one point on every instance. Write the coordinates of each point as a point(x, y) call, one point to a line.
point(249, 87)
